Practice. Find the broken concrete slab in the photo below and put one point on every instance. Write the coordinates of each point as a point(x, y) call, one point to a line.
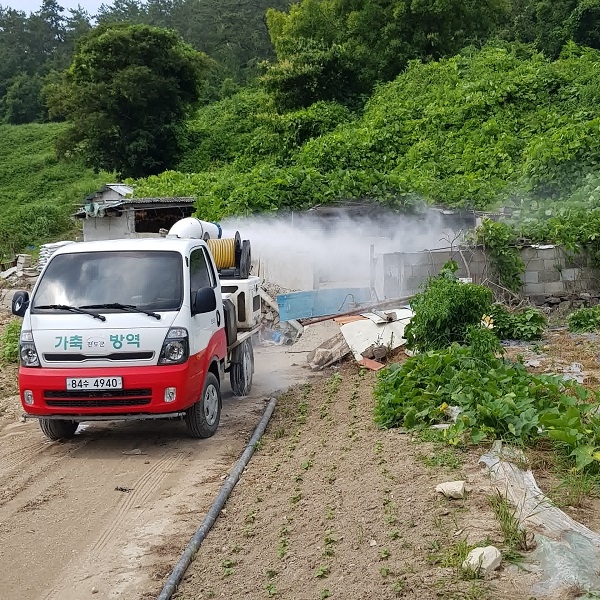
point(328, 353)
point(452, 489)
point(483, 560)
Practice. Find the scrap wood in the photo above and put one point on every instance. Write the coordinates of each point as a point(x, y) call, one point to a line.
point(348, 319)
point(392, 304)
point(373, 365)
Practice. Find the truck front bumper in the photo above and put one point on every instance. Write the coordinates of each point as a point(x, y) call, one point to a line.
point(146, 391)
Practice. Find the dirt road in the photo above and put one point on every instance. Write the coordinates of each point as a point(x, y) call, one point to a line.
point(108, 514)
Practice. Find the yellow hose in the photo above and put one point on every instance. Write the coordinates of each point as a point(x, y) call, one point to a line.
point(223, 252)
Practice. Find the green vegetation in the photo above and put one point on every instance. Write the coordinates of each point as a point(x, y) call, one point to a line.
point(465, 105)
point(445, 311)
point(497, 398)
point(126, 96)
point(38, 192)
point(584, 320)
point(500, 125)
point(9, 341)
point(527, 324)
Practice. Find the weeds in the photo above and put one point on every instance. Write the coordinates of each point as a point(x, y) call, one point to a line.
point(515, 536)
point(284, 542)
point(442, 458)
point(9, 342)
point(322, 571)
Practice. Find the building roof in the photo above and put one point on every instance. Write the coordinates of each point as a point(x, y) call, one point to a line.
point(93, 209)
point(120, 188)
point(170, 200)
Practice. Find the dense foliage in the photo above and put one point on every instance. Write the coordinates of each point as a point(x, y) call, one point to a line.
point(445, 310)
point(498, 125)
point(36, 46)
point(38, 192)
point(9, 341)
point(498, 400)
point(335, 49)
point(584, 320)
point(126, 96)
point(527, 324)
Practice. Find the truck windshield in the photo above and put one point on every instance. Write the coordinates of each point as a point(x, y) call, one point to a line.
point(149, 280)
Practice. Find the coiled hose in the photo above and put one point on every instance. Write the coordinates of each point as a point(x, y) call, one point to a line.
point(223, 252)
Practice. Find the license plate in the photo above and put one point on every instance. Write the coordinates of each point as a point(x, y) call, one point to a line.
point(94, 383)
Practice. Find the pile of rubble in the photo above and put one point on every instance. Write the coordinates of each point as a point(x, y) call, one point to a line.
point(21, 274)
point(566, 301)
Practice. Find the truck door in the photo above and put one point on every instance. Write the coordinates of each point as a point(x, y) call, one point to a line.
point(204, 327)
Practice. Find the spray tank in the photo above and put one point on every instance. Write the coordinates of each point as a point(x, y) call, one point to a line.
point(191, 228)
point(232, 255)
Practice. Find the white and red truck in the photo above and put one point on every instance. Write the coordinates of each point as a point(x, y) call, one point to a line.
point(138, 329)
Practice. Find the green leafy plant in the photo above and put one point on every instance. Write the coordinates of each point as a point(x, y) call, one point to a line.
point(526, 325)
point(9, 341)
point(497, 399)
point(445, 310)
point(584, 320)
point(498, 240)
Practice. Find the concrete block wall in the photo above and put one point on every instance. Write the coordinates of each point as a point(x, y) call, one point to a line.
point(552, 270)
point(549, 270)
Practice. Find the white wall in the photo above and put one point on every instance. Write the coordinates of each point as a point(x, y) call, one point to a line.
point(109, 228)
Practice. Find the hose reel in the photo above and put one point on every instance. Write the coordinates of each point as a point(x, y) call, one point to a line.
point(232, 256)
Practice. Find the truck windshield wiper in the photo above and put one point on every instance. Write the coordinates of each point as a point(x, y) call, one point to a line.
point(129, 307)
point(75, 309)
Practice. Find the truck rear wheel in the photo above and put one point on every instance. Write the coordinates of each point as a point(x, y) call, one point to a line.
point(202, 418)
point(242, 368)
point(57, 429)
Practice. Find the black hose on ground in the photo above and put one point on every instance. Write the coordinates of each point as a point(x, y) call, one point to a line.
point(209, 520)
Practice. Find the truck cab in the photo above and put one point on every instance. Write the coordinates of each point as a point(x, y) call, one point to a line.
point(132, 329)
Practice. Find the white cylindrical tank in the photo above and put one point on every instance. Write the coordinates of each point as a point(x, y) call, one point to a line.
point(192, 228)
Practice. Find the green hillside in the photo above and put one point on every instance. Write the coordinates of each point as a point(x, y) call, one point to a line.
point(38, 192)
point(500, 125)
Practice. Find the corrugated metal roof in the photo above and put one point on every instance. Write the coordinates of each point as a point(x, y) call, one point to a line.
point(120, 188)
point(170, 200)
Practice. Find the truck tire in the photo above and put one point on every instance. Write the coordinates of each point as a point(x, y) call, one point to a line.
point(202, 418)
point(57, 429)
point(242, 368)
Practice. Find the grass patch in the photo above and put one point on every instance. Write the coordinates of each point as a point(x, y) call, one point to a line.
point(516, 537)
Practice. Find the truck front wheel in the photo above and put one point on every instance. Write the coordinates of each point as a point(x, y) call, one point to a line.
point(242, 368)
point(202, 418)
point(57, 429)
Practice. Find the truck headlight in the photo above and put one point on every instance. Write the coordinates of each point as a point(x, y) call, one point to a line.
point(27, 352)
point(176, 347)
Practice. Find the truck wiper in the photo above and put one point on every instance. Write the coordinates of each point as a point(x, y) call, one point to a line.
point(74, 309)
point(129, 307)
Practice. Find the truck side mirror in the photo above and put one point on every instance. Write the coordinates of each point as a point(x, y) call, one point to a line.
point(20, 302)
point(205, 301)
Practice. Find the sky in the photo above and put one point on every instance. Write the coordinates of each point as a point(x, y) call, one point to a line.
point(32, 5)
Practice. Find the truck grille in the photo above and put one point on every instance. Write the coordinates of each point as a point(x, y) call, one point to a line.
point(97, 398)
point(115, 356)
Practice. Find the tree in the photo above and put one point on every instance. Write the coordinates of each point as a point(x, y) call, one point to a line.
point(23, 102)
point(127, 94)
point(378, 37)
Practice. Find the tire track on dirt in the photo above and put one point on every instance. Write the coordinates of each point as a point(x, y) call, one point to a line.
point(142, 489)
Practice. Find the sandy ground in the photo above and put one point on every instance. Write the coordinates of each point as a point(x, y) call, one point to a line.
point(331, 506)
point(107, 514)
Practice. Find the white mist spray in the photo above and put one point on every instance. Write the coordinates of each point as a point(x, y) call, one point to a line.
point(311, 250)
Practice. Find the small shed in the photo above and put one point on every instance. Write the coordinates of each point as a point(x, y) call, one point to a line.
point(112, 213)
